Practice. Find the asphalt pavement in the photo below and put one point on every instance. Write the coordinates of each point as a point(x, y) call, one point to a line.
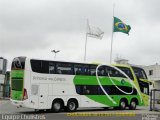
point(10, 112)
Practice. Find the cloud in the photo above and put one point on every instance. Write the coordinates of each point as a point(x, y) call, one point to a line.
point(33, 28)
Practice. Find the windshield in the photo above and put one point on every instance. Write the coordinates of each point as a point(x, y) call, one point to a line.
point(139, 72)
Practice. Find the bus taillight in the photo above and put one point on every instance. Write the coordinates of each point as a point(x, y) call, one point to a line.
point(25, 96)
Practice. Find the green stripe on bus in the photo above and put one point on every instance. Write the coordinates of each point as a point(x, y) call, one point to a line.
point(103, 99)
point(17, 81)
point(17, 95)
point(92, 80)
point(17, 73)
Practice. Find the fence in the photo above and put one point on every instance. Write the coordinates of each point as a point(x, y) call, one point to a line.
point(155, 100)
point(4, 91)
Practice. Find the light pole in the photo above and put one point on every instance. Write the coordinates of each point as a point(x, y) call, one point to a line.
point(55, 52)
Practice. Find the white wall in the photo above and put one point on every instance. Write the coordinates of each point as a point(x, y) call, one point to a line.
point(155, 77)
point(1, 64)
point(2, 77)
point(156, 72)
point(157, 84)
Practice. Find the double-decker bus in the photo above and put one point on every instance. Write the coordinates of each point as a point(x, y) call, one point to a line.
point(56, 85)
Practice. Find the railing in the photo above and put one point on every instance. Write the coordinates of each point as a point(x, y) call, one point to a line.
point(4, 91)
point(155, 100)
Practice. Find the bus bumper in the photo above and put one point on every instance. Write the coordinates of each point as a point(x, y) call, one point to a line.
point(18, 103)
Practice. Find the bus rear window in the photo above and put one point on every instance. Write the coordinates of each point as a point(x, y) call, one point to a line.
point(18, 63)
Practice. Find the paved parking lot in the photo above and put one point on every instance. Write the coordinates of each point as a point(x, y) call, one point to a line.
point(7, 109)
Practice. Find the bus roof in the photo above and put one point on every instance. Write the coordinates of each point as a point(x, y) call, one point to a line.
point(122, 65)
point(92, 63)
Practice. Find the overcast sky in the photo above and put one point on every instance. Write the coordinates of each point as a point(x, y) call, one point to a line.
point(33, 28)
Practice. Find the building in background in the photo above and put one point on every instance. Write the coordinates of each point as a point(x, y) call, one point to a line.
point(153, 73)
point(121, 61)
point(4, 81)
point(3, 66)
point(6, 88)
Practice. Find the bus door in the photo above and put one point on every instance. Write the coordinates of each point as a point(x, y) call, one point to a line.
point(144, 87)
point(43, 96)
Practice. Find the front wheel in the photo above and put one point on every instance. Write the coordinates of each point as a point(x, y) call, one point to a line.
point(132, 105)
point(72, 106)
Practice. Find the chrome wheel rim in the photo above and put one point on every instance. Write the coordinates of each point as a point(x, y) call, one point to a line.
point(133, 104)
point(57, 106)
point(72, 106)
point(123, 104)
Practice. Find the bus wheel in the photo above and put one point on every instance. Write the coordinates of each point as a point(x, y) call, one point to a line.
point(72, 106)
point(122, 105)
point(132, 105)
point(57, 106)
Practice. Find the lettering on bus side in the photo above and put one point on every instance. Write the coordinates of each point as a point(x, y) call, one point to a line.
point(51, 79)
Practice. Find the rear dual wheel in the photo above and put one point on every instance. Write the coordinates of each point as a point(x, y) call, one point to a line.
point(132, 105)
point(57, 106)
point(72, 105)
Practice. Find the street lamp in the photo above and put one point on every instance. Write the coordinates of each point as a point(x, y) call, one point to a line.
point(55, 52)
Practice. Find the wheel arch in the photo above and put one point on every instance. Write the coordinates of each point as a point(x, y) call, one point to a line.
point(73, 99)
point(58, 99)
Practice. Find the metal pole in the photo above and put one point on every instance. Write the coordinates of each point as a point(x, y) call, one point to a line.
point(85, 52)
point(85, 48)
point(55, 52)
point(112, 36)
point(154, 97)
point(54, 55)
point(151, 100)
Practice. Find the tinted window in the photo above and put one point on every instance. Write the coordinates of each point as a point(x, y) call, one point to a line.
point(51, 67)
point(92, 70)
point(39, 66)
point(96, 90)
point(112, 72)
point(18, 63)
point(144, 87)
point(45, 67)
point(139, 72)
point(81, 69)
point(102, 71)
point(127, 71)
point(36, 66)
point(17, 84)
point(64, 68)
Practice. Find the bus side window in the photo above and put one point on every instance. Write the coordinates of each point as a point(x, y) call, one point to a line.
point(109, 71)
point(78, 89)
point(64, 68)
point(92, 70)
point(77, 69)
point(36, 66)
point(45, 67)
point(127, 71)
point(80, 69)
point(85, 69)
point(51, 67)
